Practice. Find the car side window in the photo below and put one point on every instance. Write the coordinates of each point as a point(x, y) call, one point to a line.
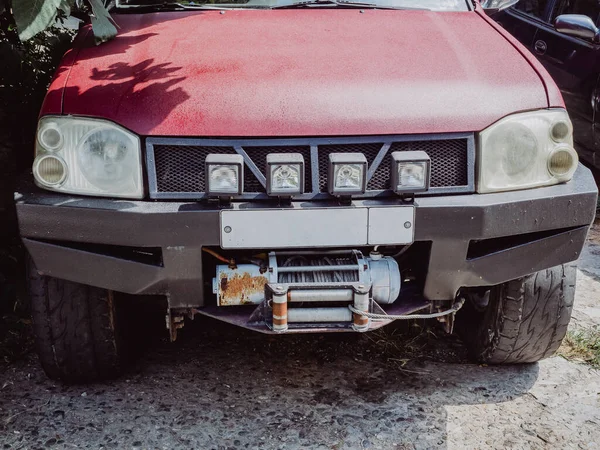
point(535, 8)
point(590, 8)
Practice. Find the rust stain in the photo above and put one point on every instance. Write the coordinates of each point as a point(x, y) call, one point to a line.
point(224, 281)
point(238, 289)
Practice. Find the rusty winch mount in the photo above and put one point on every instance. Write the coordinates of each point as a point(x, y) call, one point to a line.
point(306, 291)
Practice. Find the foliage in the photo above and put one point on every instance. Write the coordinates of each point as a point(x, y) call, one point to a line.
point(26, 69)
point(32, 41)
point(25, 73)
point(34, 16)
point(102, 24)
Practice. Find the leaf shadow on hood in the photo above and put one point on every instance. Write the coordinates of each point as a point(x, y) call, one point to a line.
point(123, 89)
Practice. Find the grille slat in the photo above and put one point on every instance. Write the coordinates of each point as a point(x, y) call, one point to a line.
point(176, 169)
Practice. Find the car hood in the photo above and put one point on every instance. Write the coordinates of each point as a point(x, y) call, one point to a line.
point(300, 72)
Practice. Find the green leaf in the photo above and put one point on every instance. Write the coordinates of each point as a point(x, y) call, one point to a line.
point(34, 16)
point(103, 26)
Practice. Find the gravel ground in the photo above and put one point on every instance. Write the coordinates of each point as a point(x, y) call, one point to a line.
point(220, 387)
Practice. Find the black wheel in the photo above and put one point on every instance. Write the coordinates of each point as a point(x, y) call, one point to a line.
point(75, 329)
point(522, 321)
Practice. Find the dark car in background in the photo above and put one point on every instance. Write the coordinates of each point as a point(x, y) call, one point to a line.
point(563, 34)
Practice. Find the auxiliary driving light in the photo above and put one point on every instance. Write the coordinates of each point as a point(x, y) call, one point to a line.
point(347, 173)
point(410, 171)
point(285, 174)
point(224, 174)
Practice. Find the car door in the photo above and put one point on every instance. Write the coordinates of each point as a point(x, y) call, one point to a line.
point(574, 64)
point(524, 19)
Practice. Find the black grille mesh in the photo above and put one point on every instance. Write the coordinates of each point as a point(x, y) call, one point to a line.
point(180, 168)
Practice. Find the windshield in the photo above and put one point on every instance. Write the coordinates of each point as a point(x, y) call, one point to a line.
point(433, 5)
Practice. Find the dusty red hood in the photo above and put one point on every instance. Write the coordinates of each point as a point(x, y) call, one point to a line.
point(302, 72)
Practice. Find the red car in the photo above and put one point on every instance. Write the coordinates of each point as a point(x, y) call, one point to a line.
point(300, 167)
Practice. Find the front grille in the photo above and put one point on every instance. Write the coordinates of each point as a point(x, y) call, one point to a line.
point(176, 166)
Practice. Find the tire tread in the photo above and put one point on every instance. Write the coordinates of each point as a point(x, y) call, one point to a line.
point(75, 329)
point(528, 318)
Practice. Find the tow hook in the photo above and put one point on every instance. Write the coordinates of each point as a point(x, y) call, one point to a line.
point(174, 322)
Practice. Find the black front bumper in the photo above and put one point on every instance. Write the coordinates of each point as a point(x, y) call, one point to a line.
point(476, 240)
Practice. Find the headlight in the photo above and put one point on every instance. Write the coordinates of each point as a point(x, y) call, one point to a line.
point(224, 174)
point(526, 150)
point(89, 157)
point(285, 174)
point(347, 173)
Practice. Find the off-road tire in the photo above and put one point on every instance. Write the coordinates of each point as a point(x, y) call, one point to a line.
point(525, 320)
point(75, 329)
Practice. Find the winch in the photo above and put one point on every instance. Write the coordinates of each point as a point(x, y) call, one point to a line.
point(309, 287)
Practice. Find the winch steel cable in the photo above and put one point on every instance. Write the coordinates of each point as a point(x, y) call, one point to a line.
point(459, 304)
point(318, 277)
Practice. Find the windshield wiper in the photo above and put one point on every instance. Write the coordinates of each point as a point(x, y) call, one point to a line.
point(341, 4)
point(169, 6)
point(175, 6)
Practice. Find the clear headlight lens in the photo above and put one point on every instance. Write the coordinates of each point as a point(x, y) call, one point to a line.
point(223, 179)
point(285, 174)
point(225, 174)
point(88, 156)
point(348, 176)
point(526, 150)
point(412, 175)
point(410, 171)
point(49, 136)
point(107, 157)
point(286, 177)
point(561, 131)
